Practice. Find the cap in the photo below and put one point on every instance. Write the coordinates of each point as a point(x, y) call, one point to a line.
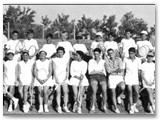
point(150, 54)
point(144, 32)
point(10, 51)
point(42, 50)
point(99, 34)
point(25, 51)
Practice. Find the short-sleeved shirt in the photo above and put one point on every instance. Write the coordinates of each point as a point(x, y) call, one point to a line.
point(93, 65)
point(94, 45)
point(132, 68)
point(111, 45)
point(80, 47)
point(113, 64)
point(50, 49)
point(11, 44)
point(29, 43)
point(126, 44)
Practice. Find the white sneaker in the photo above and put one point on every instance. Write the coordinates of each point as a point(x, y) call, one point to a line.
point(59, 110)
point(40, 109)
point(65, 109)
point(79, 110)
point(117, 111)
point(25, 109)
point(151, 110)
point(10, 108)
point(119, 100)
point(131, 111)
point(135, 109)
point(28, 106)
point(15, 101)
point(46, 108)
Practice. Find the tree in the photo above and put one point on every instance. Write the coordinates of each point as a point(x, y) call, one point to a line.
point(46, 21)
point(129, 21)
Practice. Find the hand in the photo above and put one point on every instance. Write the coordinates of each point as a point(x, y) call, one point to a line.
point(119, 70)
point(77, 77)
point(81, 77)
point(149, 83)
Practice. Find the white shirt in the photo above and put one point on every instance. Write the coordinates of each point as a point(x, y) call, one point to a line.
point(132, 68)
point(11, 44)
point(78, 68)
point(144, 43)
point(80, 47)
point(148, 69)
point(93, 65)
point(126, 44)
point(111, 45)
point(50, 49)
point(29, 43)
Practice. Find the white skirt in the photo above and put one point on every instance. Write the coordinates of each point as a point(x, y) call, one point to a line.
point(75, 81)
point(49, 82)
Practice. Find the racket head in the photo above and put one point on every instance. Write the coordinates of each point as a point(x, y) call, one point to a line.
point(101, 46)
point(42, 74)
point(143, 51)
point(20, 46)
point(32, 50)
point(61, 76)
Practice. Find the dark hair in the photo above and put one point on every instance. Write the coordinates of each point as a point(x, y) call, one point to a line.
point(49, 35)
point(79, 37)
point(43, 51)
point(80, 53)
point(25, 52)
point(129, 30)
point(112, 34)
point(60, 48)
point(132, 49)
point(110, 50)
point(64, 31)
point(15, 31)
point(30, 31)
point(97, 50)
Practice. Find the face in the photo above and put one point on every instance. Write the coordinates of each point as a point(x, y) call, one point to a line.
point(149, 58)
point(128, 35)
point(77, 57)
point(64, 36)
point(49, 40)
point(111, 38)
point(14, 36)
point(30, 36)
point(78, 40)
point(98, 38)
point(10, 56)
point(60, 53)
point(131, 55)
point(25, 57)
point(144, 36)
point(96, 55)
point(42, 55)
point(111, 53)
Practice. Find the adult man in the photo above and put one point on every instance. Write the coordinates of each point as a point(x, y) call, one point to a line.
point(114, 68)
point(97, 72)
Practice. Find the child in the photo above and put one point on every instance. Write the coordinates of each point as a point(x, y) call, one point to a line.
point(49, 47)
point(66, 45)
point(10, 79)
point(148, 71)
point(43, 79)
point(25, 69)
point(126, 43)
point(31, 42)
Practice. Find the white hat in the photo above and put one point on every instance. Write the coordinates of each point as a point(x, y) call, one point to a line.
point(99, 34)
point(10, 51)
point(144, 32)
point(43, 50)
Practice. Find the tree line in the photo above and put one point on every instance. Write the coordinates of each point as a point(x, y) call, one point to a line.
point(22, 19)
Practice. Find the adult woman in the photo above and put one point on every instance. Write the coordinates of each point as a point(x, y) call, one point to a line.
point(61, 73)
point(43, 79)
point(78, 77)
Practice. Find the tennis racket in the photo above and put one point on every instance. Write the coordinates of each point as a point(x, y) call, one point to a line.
point(101, 46)
point(61, 77)
point(143, 51)
point(32, 50)
point(20, 47)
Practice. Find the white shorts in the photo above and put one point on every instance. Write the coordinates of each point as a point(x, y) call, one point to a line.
point(49, 82)
point(146, 86)
point(75, 81)
point(26, 80)
point(131, 81)
point(114, 80)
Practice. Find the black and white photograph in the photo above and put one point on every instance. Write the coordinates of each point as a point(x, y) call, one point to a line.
point(78, 59)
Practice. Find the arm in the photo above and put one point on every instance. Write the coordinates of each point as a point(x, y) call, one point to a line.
point(33, 77)
point(143, 77)
point(17, 74)
point(4, 74)
point(35, 73)
point(54, 72)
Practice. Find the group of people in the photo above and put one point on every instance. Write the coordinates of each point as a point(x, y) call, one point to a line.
point(111, 66)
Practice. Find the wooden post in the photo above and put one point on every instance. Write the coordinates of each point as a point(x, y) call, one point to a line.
point(8, 30)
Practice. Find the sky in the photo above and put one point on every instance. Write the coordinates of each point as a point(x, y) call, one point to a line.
point(146, 12)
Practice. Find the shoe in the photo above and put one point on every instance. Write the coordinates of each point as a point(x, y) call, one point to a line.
point(79, 110)
point(25, 108)
point(28, 106)
point(135, 109)
point(65, 109)
point(15, 101)
point(117, 111)
point(131, 111)
point(151, 110)
point(40, 109)
point(59, 110)
point(10, 108)
point(92, 110)
point(46, 108)
point(119, 100)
